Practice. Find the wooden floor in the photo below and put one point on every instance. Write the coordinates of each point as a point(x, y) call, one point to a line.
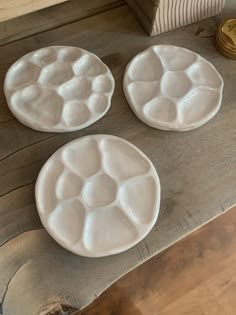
point(196, 276)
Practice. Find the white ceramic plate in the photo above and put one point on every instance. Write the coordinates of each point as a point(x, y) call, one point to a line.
point(172, 88)
point(98, 195)
point(59, 89)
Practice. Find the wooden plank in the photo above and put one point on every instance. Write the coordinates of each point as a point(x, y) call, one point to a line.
point(195, 276)
point(165, 15)
point(53, 17)
point(197, 170)
point(14, 8)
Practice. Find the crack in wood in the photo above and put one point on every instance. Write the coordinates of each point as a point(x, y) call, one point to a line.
point(10, 191)
point(15, 236)
point(27, 146)
point(57, 308)
point(22, 167)
point(8, 284)
point(6, 121)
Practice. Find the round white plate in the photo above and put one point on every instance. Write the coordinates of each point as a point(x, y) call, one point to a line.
point(98, 195)
point(59, 89)
point(172, 88)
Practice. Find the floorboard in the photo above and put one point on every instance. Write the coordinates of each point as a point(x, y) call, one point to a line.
point(195, 276)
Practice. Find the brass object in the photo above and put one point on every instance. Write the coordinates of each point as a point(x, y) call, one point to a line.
point(226, 38)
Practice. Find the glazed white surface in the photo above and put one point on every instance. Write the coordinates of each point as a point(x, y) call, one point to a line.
point(59, 89)
point(98, 195)
point(172, 88)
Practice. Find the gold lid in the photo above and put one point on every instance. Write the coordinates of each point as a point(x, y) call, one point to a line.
point(226, 38)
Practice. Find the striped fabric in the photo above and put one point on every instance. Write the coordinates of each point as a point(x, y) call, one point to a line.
point(171, 14)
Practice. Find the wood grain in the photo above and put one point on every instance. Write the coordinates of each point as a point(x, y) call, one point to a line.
point(165, 15)
point(13, 8)
point(53, 17)
point(195, 276)
point(197, 170)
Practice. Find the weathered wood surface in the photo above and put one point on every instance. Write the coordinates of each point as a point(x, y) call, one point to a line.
point(195, 276)
point(12, 8)
point(53, 17)
point(159, 16)
point(197, 170)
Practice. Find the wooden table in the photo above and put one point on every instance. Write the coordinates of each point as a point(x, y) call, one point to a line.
point(12, 8)
point(197, 168)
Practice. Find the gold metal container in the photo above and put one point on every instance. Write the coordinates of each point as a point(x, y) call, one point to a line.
point(226, 38)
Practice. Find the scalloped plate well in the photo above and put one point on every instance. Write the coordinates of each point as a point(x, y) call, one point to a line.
point(98, 195)
point(172, 88)
point(59, 89)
